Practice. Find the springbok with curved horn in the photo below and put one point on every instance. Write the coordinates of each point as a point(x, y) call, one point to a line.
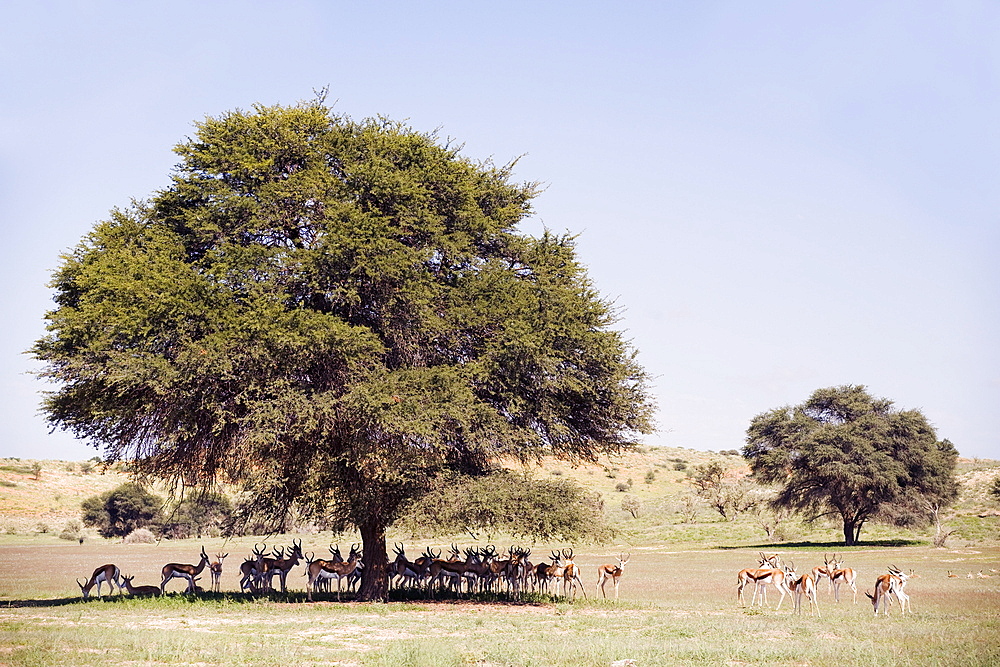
point(106, 573)
point(804, 585)
point(891, 584)
point(183, 571)
point(613, 572)
point(571, 574)
point(842, 575)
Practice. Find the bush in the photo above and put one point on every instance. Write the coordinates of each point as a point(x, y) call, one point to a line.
point(506, 502)
point(632, 505)
point(73, 530)
point(140, 536)
point(650, 477)
point(680, 465)
point(622, 487)
point(42, 528)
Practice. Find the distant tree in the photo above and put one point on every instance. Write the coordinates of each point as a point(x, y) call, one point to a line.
point(632, 505)
point(846, 453)
point(196, 514)
point(333, 313)
point(728, 496)
point(36, 469)
point(118, 512)
point(72, 531)
point(995, 488)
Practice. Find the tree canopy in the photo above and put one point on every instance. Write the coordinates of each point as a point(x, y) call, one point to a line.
point(847, 453)
point(332, 312)
point(118, 512)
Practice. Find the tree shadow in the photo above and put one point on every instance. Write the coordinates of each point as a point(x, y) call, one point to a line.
point(837, 546)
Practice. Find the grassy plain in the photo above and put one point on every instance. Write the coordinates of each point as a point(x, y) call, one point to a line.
point(678, 597)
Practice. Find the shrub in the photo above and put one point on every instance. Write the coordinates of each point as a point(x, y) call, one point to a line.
point(680, 465)
point(632, 505)
point(42, 527)
point(650, 477)
point(140, 536)
point(622, 487)
point(73, 530)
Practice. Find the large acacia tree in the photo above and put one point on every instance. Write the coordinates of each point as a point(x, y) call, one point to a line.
point(333, 313)
point(846, 453)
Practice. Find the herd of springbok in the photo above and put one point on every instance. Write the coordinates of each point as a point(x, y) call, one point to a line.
point(483, 569)
point(772, 571)
point(468, 571)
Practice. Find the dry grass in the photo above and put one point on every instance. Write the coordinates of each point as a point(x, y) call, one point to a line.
point(677, 607)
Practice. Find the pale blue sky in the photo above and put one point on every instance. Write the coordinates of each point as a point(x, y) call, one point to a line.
point(780, 196)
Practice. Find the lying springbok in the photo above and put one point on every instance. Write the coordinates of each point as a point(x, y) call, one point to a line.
point(106, 573)
point(136, 591)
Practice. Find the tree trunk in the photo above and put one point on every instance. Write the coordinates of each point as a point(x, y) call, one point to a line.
point(852, 532)
point(375, 576)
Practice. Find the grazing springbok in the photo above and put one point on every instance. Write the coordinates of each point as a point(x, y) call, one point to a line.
point(215, 568)
point(106, 573)
point(136, 591)
point(891, 584)
point(613, 572)
point(184, 571)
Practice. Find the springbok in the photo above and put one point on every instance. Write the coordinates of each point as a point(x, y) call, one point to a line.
point(216, 569)
point(613, 572)
point(106, 573)
point(183, 571)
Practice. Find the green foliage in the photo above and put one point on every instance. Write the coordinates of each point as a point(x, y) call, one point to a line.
point(118, 512)
point(331, 312)
point(198, 514)
point(510, 504)
point(846, 453)
point(995, 488)
point(73, 530)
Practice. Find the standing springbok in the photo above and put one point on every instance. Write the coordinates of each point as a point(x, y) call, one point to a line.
point(106, 573)
point(613, 572)
point(804, 585)
point(891, 584)
point(216, 569)
point(842, 575)
point(571, 575)
point(183, 571)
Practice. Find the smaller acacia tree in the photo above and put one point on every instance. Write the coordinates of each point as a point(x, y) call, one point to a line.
point(729, 497)
point(506, 502)
point(846, 453)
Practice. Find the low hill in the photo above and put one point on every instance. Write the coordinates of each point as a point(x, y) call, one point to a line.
point(40, 496)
